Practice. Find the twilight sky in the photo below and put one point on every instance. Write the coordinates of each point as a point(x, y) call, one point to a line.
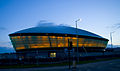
point(98, 16)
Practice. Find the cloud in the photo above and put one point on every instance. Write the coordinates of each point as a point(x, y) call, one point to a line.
point(5, 44)
point(64, 25)
point(46, 23)
point(2, 28)
point(116, 26)
point(6, 47)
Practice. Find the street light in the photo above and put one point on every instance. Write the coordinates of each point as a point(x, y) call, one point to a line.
point(111, 38)
point(77, 38)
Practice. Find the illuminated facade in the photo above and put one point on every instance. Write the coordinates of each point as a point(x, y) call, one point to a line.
point(55, 37)
point(28, 42)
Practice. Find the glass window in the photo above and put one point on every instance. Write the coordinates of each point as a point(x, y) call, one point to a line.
point(53, 54)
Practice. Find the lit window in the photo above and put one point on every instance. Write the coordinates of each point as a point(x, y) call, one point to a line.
point(53, 54)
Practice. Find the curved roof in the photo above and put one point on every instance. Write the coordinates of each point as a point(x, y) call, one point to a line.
point(59, 30)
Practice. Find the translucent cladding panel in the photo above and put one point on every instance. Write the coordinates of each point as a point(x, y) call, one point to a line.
point(39, 42)
point(105, 43)
point(93, 43)
point(96, 43)
point(57, 41)
point(66, 41)
point(13, 42)
point(60, 41)
point(45, 41)
point(32, 41)
point(86, 42)
point(101, 43)
point(53, 40)
point(18, 48)
point(17, 42)
point(81, 42)
point(25, 41)
point(74, 41)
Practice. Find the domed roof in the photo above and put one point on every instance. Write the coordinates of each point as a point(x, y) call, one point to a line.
point(58, 30)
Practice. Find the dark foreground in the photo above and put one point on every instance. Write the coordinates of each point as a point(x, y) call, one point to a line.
point(111, 65)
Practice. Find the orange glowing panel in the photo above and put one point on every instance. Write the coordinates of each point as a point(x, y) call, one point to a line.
point(74, 38)
point(29, 37)
point(69, 37)
point(38, 36)
point(90, 45)
point(22, 36)
point(13, 37)
point(60, 45)
point(41, 46)
point(44, 37)
point(59, 37)
point(52, 36)
point(18, 37)
point(80, 45)
point(34, 46)
point(18, 48)
point(66, 44)
point(74, 44)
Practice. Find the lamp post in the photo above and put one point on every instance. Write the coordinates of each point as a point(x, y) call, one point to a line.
point(111, 38)
point(77, 39)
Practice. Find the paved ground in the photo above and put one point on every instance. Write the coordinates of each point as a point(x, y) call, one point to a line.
point(112, 65)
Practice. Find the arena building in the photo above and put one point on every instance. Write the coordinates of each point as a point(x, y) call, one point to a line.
point(52, 41)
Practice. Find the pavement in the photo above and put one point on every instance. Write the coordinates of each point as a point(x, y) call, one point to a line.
point(111, 65)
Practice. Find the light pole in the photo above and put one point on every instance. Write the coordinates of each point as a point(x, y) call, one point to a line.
point(111, 38)
point(77, 39)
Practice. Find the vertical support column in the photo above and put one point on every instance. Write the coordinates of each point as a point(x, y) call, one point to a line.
point(69, 48)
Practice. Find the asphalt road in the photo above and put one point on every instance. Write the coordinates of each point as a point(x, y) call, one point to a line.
point(112, 65)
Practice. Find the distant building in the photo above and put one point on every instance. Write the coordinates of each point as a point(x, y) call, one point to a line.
point(52, 41)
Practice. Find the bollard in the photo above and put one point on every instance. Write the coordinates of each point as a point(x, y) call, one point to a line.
point(74, 66)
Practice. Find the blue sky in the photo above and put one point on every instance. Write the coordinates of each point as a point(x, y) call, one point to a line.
point(98, 16)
